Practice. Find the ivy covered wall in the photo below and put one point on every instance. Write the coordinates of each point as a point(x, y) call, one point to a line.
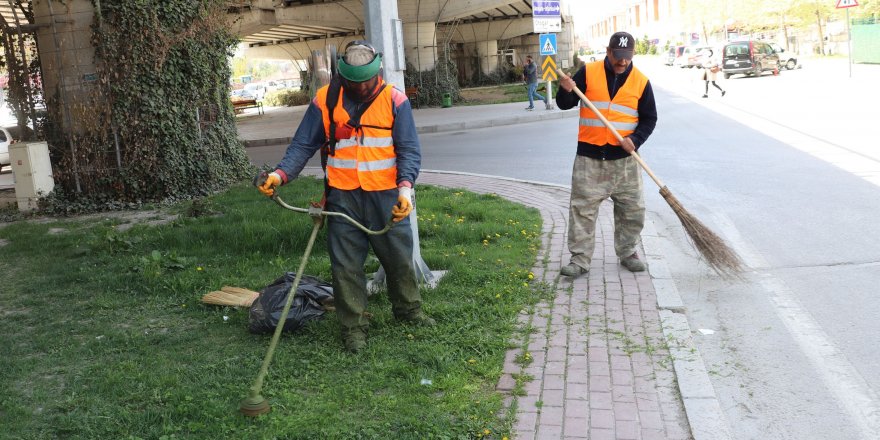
point(156, 123)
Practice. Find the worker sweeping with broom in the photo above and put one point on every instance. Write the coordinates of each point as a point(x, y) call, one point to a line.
point(372, 157)
point(603, 166)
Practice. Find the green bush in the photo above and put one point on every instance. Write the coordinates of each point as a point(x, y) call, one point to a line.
point(287, 97)
point(159, 125)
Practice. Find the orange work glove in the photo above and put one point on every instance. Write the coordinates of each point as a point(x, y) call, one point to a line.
point(268, 187)
point(404, 204)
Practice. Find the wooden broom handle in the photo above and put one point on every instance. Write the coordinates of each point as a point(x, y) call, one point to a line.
point(613, 130)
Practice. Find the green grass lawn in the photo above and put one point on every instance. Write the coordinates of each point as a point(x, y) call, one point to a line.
point(500, 94)
point(103, 336)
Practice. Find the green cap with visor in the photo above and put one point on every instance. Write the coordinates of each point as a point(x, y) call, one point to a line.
point(360, 62)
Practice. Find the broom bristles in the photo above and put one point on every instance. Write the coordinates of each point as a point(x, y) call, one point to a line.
point(720, 257)
point(242, 298)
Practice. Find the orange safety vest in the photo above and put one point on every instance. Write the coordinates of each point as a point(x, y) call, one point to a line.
point(622, 111)
point(366, 159)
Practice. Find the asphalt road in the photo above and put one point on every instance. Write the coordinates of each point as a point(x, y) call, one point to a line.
point(791, 349)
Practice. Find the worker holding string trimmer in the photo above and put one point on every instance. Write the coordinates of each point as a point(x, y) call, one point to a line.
point(372, 156)
point(603, 166)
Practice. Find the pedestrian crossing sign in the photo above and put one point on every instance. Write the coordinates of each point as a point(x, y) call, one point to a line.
point(547, 43)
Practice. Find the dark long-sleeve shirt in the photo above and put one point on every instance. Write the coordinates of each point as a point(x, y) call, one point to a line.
point(647, 112)
point(530, 72)
point(310, 137)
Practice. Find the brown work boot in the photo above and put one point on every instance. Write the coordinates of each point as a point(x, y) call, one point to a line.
point(573, 270)
point(633, 263)
point(419, 319)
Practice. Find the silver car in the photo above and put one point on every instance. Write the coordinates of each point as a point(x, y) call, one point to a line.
point(5, 140)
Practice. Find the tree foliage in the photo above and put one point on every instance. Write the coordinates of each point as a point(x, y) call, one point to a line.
point(158, 124)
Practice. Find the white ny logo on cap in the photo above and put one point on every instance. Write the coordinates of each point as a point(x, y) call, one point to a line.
point(623, 42)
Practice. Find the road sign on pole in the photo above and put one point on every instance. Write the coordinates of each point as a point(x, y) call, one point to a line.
point(549, 68)
point(546, 16)
point(547, 43)
point(846, 3)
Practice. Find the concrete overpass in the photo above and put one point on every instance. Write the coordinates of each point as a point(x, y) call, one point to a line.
point(464, 30)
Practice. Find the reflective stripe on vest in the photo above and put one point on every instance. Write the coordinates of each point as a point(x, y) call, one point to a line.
point(366, 159)
point(622, 112)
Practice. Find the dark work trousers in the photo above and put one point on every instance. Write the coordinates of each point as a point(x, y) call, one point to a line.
point(348, 247)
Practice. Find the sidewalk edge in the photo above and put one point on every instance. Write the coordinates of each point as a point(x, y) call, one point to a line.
point(706, 418)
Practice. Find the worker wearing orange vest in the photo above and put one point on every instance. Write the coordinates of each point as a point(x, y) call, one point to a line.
point(372, 160)
point(603, 166)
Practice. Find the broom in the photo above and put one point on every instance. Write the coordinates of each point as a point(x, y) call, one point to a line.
point(231, 296)
point(721, 258)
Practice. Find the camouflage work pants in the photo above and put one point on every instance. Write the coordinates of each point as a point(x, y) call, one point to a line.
point(593, 181)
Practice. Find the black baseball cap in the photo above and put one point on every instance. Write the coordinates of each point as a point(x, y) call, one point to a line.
point(622, 45)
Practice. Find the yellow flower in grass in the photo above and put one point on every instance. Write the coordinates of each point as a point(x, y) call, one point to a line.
point(472, 361)
point(531, 276)
point(199, 268)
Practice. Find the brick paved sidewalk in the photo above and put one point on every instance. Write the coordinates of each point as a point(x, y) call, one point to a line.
point(600, 367)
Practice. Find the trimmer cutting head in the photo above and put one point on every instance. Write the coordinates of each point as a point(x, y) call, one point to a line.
point(254, 406)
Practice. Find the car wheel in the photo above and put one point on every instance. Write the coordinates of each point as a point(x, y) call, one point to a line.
point(726, 76)
point(758, 69)
point(791, 64)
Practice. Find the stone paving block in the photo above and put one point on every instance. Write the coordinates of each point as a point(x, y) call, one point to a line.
point(506, 383)
point(557, 354)
point(576, 407)
point(554, 382)
point(551, 415)
point(622, 393)
point(651, 419)
point(576, 391)
point(627, 430)
point(552, 398)
point(600, 368)
point(626, 411)
point(600, 383)
point(554, 367)
point(601, 434)
point(549, 432)
point(601, 418)
point(523, 435)
point(575, 427)
point(601, 400)
point(526, 421)
point(577, 375)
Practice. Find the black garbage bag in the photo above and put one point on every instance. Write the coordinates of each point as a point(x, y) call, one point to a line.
point(313, 297)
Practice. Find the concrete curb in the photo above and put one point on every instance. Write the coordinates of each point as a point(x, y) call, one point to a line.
point(452, 126)
point(484, 123)
point(704, 413)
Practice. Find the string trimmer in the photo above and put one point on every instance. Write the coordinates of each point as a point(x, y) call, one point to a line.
point(255, 404)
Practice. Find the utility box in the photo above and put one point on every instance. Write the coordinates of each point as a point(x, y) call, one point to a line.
point(32, 172)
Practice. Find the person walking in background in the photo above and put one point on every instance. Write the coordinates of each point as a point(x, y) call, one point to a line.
point(603, 166)
point(370, 174)
point(711, 67)
point(530, 76)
